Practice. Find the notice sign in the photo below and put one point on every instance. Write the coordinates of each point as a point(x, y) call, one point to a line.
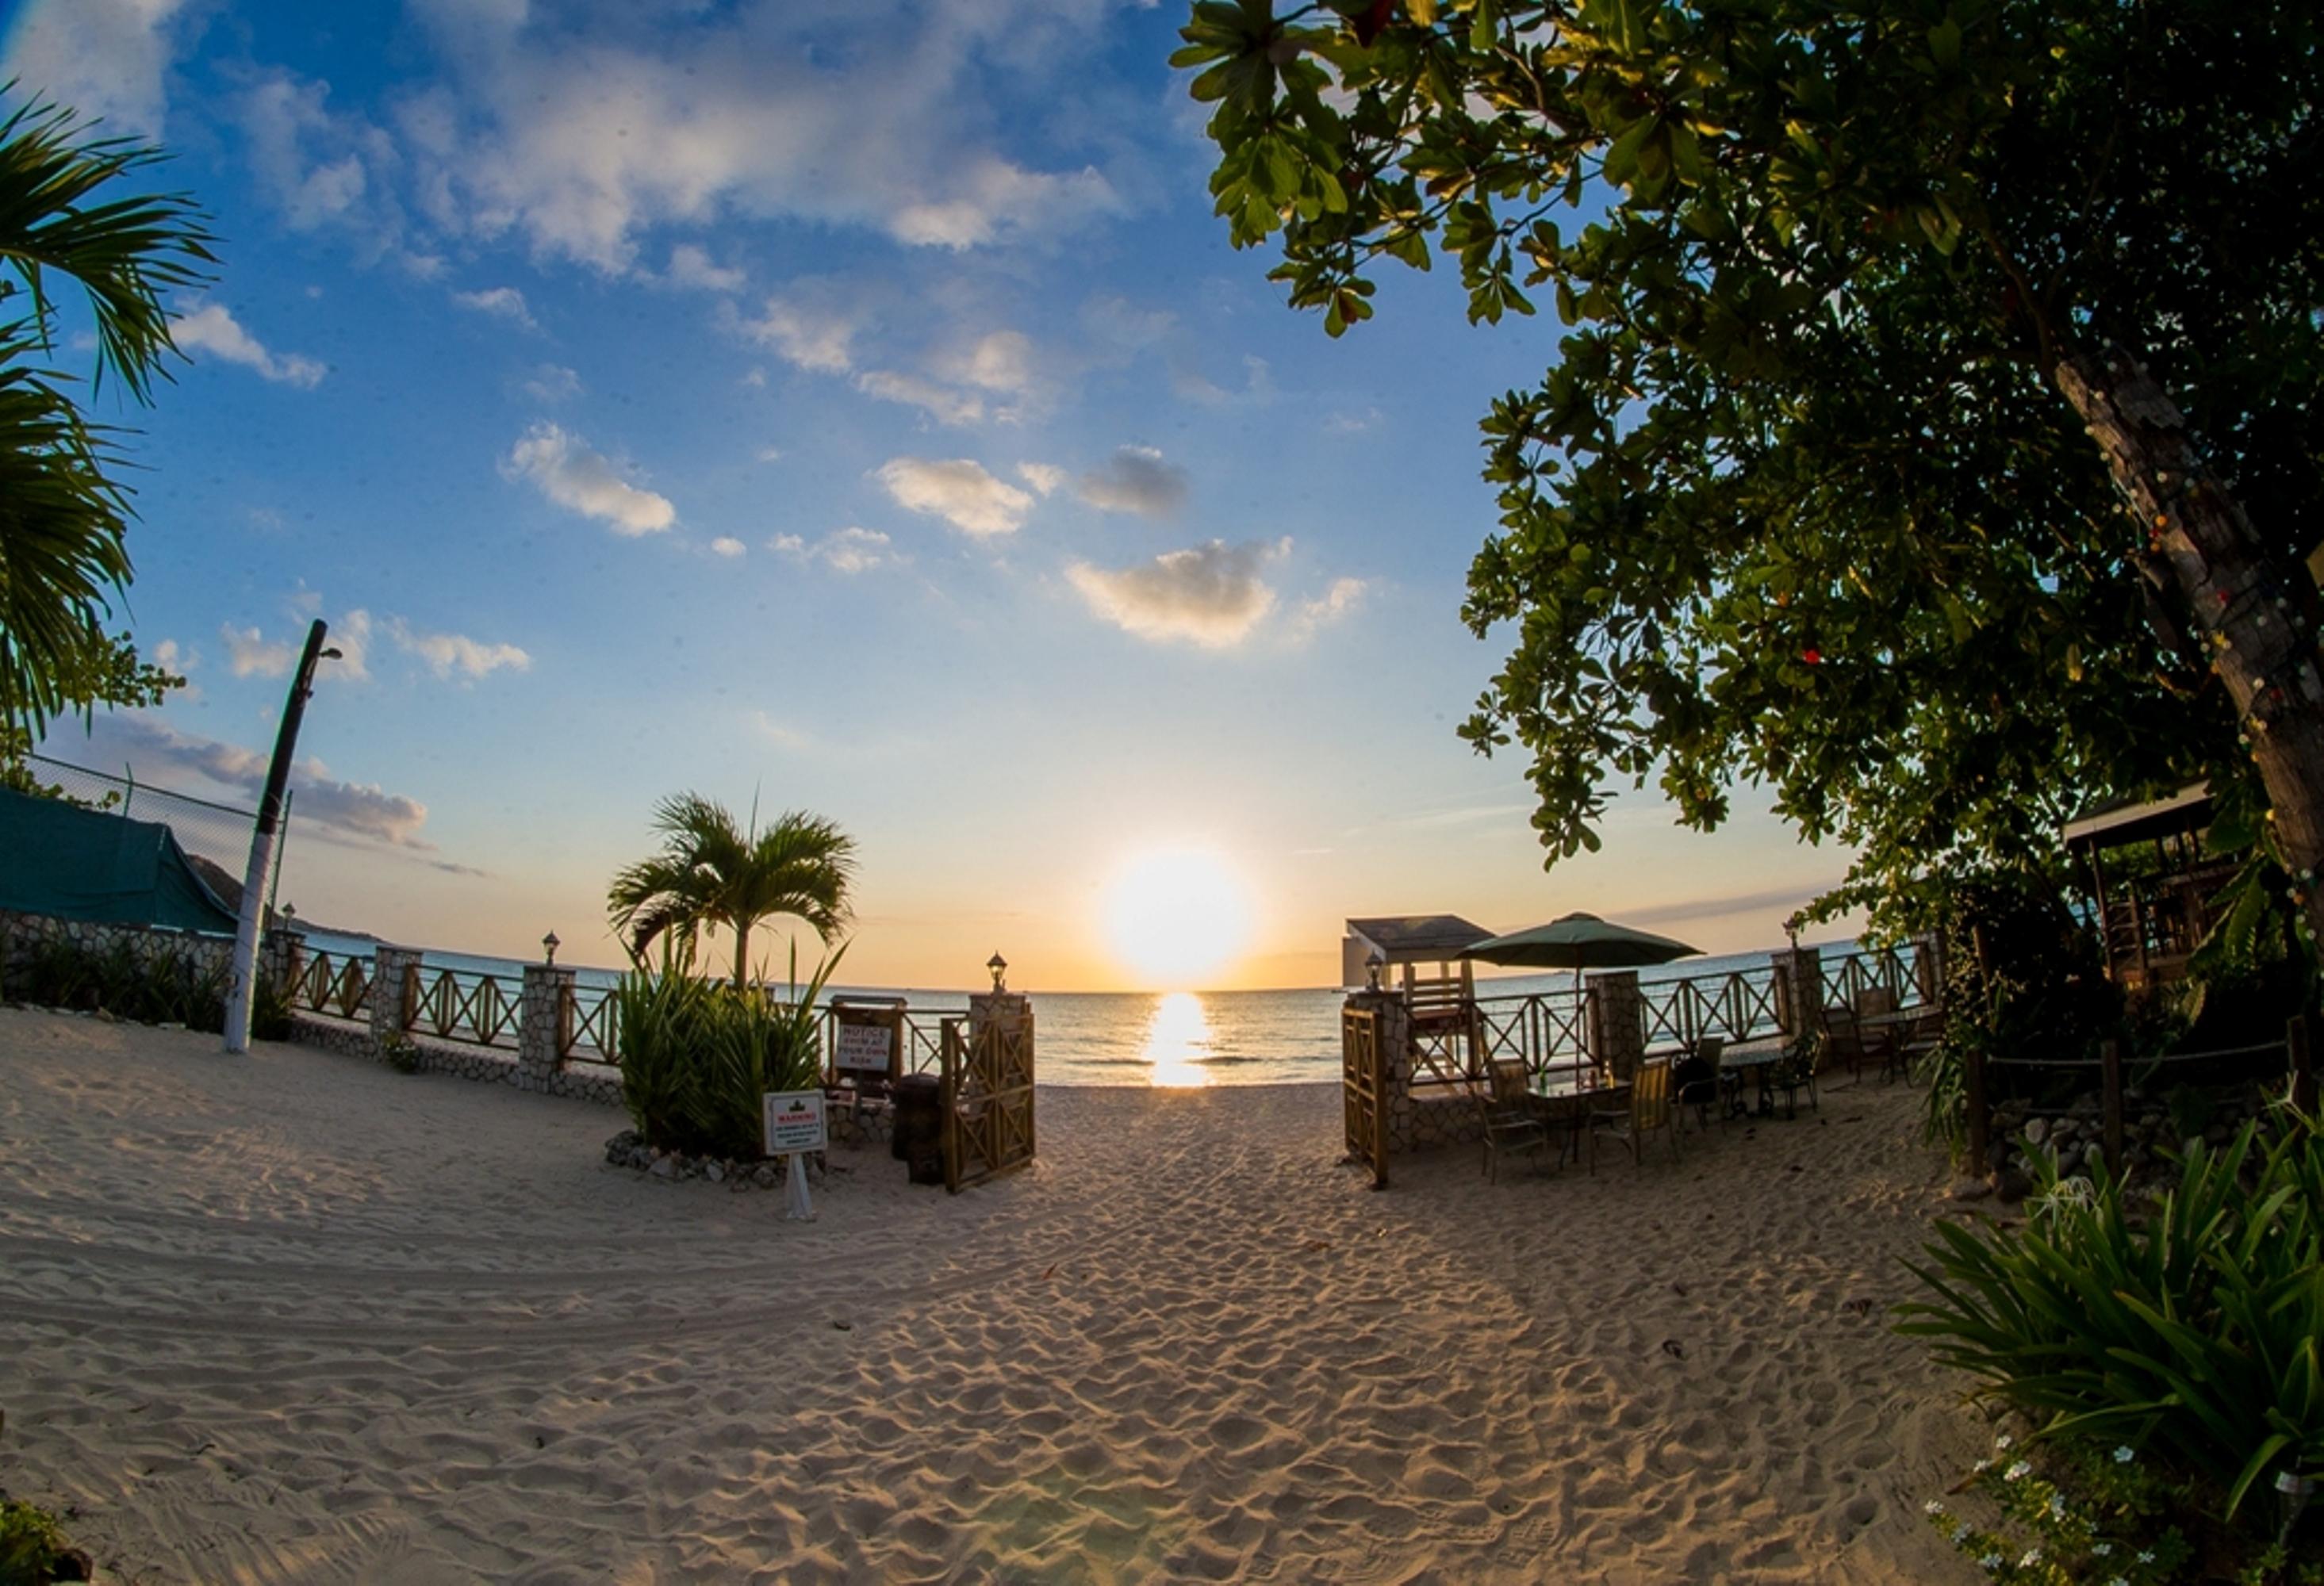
point(864, 1048)
point(794, 1121)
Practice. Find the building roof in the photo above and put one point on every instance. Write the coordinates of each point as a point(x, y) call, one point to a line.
point(1414, 938)
point(2122, 821)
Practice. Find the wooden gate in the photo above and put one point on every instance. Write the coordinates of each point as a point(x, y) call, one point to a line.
point(987, 1096)
point(1363, 1090)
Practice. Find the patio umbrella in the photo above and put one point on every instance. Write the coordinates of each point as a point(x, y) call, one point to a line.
point(1577, 942)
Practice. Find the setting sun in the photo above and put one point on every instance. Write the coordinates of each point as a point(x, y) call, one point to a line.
point(1174, 915)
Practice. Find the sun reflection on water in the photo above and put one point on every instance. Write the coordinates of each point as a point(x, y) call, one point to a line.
point(1177, 1040)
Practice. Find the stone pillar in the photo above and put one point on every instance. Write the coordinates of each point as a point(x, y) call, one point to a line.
point(1618, 1034)
point(1393, 1025)
point(282, 959)
point(394, 986)
point(1799, 990)
point(544, 1030)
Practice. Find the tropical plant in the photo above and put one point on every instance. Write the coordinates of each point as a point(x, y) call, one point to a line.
point(715, 872)
point(64, 515)
point(1834, 484)
point(2192, 1335)
point(33, 1548)
point(697, 1058)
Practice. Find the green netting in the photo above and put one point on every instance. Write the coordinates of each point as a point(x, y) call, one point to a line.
point(68, 862)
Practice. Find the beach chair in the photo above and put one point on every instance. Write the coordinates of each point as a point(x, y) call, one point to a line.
point(1512, 1124)
point(1843, 1039)
point(1696, 1082)
point(1650, 1111)
point(1797, 1070)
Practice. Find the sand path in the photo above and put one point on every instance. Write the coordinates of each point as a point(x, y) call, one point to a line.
point(297, 1318)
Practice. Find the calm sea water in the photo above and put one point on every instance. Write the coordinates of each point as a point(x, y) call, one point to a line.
point(1150, 1038)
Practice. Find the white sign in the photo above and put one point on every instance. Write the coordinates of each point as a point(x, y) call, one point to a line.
point(864, 1048)
point(794, 1121)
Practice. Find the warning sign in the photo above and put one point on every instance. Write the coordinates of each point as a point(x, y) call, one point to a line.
point(794, 1121)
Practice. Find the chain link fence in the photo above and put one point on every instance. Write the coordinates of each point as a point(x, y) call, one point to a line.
point(216, 836)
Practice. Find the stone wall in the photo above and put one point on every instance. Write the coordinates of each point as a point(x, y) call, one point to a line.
point(588, 1082)
point(22, 933)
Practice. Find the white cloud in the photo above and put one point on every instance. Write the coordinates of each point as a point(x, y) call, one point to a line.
point(958, 491)
point(103, 58)
point(843, 550)
point(446, 653)
point(943, 405)
point(756, 379)
point(171, 656)
point(351, 637)
point(1344, 598)
point(1135, 479)
point(210, 329)
point(553, 383)
point(1354, 423)
point(502, 302)
point(582, 481)
point(1213, 594)
point(250, 655)
point(581, 139)
point(690, 266)
point(769, 454)
point(812, 336)
point(1044, 477)
point(727, 545)
point(1002, 361)
point(351, 810)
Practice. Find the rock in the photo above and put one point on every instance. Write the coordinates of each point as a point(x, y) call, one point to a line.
point(2012, 1186)
point(765, 1176)
point(664, 1167)
point(2037, 1129)
point(73, 1563)
point(1971, 1189)
point(714, 1172)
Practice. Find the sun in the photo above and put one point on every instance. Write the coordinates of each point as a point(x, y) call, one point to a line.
point(1174, 915)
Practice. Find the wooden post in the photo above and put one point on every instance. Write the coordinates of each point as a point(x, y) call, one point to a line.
point(2303, 1068)
point(1973, 1103)
point(2110, 1075)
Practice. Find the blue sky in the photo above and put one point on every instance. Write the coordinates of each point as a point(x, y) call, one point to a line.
point(850, 404)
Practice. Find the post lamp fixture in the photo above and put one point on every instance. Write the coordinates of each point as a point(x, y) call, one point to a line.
point(999, 967)
point(289, 915)
point(1792, 932)
point(1373, 965)
point(549, 944)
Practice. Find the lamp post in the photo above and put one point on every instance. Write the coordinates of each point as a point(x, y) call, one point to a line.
point(1374, 962)
point(999, 967)
point(548, 945)
point(263, 842)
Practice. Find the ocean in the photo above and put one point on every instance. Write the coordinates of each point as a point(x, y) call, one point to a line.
point(1172, 1038)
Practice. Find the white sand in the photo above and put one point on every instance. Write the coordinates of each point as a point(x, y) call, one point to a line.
point(296, 1318)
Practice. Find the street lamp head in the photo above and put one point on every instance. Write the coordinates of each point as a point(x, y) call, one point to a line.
point(999, 967)
point(330, 654)
point(1373, 963)
point(549, 944)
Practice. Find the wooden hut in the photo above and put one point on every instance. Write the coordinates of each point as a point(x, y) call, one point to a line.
point(2151, 880)
point(1442, 1006)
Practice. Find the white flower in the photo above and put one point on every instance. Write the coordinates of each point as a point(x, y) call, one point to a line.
point(2017, 1472)
point(1990, 1562)
point(2117, 1580)
point(1960, 1533)
point(2122, 1454)
point(1932, 1508)
point(1982, 1466)
point(2057, 1506)
point(2033, 1556)
point(2004, 1441)
point(2147, 1556)
point(2100, 1549)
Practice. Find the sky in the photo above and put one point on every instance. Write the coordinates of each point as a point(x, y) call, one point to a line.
point(842, 405)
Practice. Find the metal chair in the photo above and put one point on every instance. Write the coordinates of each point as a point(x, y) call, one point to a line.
point(1510, 1123)
point(1650, 1111)
point(1698, 1082)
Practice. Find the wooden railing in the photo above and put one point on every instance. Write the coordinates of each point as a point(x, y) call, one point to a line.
point(593, 1038)
point(1892, 970)
point(1736, 1006)
point(466, 1005)
point(340, 986)
point(1548, 1031)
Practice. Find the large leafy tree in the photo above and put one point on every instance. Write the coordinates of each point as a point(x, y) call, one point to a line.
point(714, 871)
point(1932, 437)
point(66, 221)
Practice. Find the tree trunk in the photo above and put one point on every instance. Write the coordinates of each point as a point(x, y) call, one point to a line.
point(2260, 636)
point(741, 955)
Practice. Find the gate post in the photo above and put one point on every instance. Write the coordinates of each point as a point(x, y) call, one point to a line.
point(394, 982)
point(1617, 1038)
point(544, 1031)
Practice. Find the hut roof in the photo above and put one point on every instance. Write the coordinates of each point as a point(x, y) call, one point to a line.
point(2121, 821)
point(1417, 939)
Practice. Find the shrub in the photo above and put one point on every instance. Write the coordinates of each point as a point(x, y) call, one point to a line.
point(697, 1055)
point(2192, 1335)
point(32, 1550)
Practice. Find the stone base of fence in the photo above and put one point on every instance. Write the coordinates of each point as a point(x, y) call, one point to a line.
point(430, 1055)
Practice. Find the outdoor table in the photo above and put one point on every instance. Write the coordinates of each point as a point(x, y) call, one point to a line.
point(1567, 1109)
point(1902, 1033)
point(1758, 1059)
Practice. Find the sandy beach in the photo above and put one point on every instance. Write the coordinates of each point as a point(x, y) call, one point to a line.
point(297, 1318)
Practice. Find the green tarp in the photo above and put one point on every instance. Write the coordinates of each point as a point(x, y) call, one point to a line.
point(68, 862)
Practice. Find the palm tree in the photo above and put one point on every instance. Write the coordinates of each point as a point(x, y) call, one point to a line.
point(63, 519)
point(713, 872)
